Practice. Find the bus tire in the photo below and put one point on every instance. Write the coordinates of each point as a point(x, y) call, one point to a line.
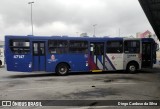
point(132, 67)
point(62, 69)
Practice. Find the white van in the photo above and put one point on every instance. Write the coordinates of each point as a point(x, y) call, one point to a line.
point(1, 56)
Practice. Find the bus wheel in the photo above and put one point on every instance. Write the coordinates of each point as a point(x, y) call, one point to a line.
point(62, 69)
point(132, 68)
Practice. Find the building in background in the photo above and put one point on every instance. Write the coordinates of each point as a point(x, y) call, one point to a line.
point(148, 34)
point(145, 34)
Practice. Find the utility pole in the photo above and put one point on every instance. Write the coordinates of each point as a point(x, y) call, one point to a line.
point(94, 30)
point(119, 32)
point(30, 3)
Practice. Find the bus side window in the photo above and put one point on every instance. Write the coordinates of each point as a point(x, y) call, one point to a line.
point(132, 46)
point(114, 47)
point(42, 49)
point(57, 46)
point(20, 46)
point(78, 46)
point(35, 49)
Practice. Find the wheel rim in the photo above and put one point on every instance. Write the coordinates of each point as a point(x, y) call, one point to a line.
point(62, 69)
point(132, 68)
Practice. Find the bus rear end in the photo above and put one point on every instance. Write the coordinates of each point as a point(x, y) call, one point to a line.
point(148, 52)
point(139, 53)
point(18, 54)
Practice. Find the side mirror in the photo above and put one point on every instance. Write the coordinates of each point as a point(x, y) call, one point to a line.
point(157, 47)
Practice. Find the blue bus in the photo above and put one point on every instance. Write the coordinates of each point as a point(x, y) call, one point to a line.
point(62, 55)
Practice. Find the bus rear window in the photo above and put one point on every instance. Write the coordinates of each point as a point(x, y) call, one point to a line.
point(20, 46)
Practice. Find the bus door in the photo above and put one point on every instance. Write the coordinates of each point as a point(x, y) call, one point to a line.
point(39, 61)
point(96, 58)
point(147, 54)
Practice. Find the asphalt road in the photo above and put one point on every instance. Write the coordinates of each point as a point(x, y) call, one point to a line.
point(144, 85)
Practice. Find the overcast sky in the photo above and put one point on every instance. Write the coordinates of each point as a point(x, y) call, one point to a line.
point(72, 17)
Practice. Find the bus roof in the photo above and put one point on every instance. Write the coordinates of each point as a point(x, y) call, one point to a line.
point(60, 37)
point(72, 38)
